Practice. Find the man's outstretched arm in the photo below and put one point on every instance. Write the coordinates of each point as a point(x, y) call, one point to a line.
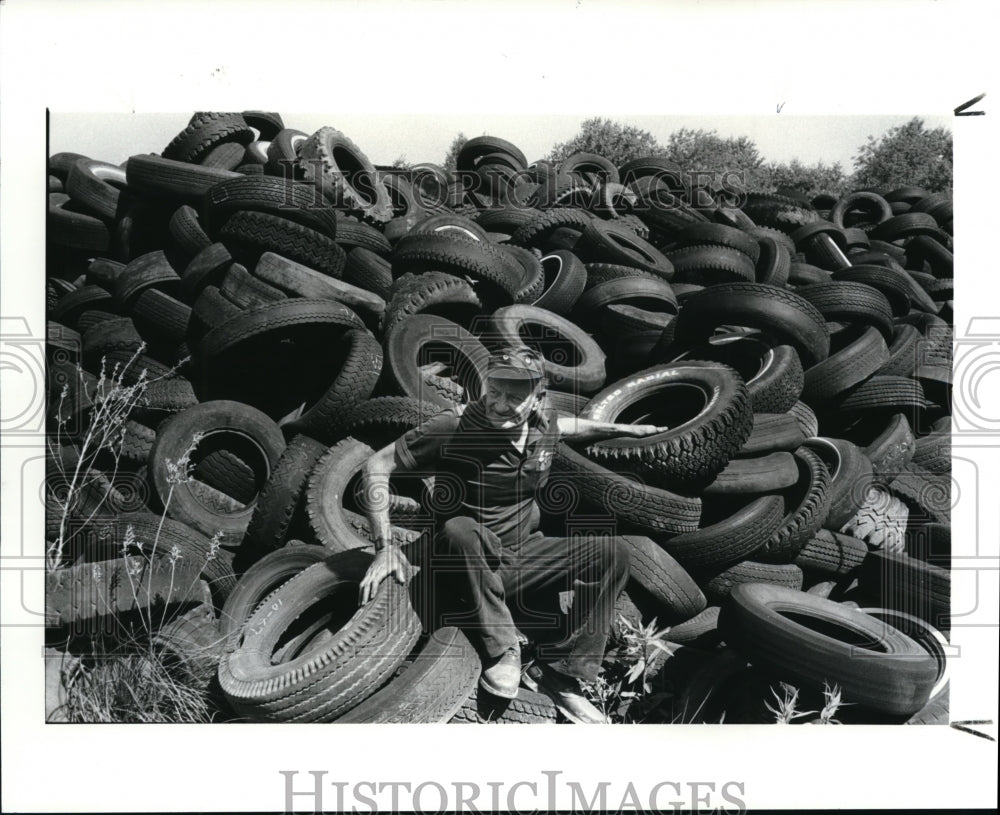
point(389, 560)
point(575, 430)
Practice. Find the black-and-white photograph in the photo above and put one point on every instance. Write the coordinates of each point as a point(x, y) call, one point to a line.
point(642, 426)
point(614, 411)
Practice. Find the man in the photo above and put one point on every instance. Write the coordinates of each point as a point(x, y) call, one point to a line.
point(499, 450)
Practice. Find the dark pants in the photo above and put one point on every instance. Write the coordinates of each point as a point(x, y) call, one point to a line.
point(525, 585)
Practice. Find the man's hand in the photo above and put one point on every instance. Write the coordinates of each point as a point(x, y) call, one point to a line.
point(641, 430)
point(388, 561)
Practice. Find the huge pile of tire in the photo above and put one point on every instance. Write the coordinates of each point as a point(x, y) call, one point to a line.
point(300, 308)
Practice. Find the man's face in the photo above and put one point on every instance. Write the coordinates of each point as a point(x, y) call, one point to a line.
point(509, 402)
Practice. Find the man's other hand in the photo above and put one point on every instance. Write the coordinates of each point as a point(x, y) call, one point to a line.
point(388, 561)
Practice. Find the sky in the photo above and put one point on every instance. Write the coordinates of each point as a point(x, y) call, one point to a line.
point(113, 137)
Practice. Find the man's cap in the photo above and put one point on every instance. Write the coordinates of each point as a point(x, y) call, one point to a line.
point(516, 362)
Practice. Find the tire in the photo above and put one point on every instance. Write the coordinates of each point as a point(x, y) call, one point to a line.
point(528, 708)
point(91, 596)
point(227, 337)
point(772, 373)
point(335, 165)
point(810, 504)
point(882, 393)
point(160, 535)
point(206, 131)
point(831, 553)
point(189, 239)
point(210, 310)
point(103, 272)
point(260, 581)
point(158, 316)
point(700, 630)
point(283, 152)
point(535, 232)
point(891, 449)
point(768, 308)
point(874, 206)
point(229, 474)
point(117, 333)
point(933, 453)
point(353, 235)
point(95, 185)
point(335, 527)
point(246, 291)
point(71, 229)
point(902, 352)
point(902, 583)
point(368, 271)
point(608, 242)
point(227, 156)
point(267, 124)
point(281, 197)
point(896, 286)
point(928, 493)
point(778, 212)
point(756, 475)
point(699, 446)
point(86, 298)
point(851, 476)
point(386, 418)
point(655, 296)
point(637, 504)
point(711, 265)
point(851, 302)
point(773, 432)
point(718, 235)
point(444, 295)
point(175, 436)
point(718, 587)
point(677, 596)
point(145, 272)
point(404, 345)
point(322, 682)
point(573, 361)
point(856, 353)
point(731, 540)
point(433, 688)
point(191, 646)
point(172, 181)
point(774, 263)
point(805, 274)
point(353, 384)
point(205, 269)
point(278, 501)
point(564, 277)
point(248, 235)
point(897, 678)
point(908, 225)
point(481, 261)
point(806, 418)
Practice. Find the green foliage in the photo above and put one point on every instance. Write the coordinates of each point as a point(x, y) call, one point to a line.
point(614, 141)
point(629, 687)
point(707, 151)
point(907, 155)
point(809, 179)
point(451, 157)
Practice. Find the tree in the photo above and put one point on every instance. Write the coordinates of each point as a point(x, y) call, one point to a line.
point(401, 163)
point(904, 156)
point(810, 180)
point(614, 141)
point(451, 157)
point(705, 151)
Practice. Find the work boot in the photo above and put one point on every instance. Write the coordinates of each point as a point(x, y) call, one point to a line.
point(565, 692)
point(503, 675)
